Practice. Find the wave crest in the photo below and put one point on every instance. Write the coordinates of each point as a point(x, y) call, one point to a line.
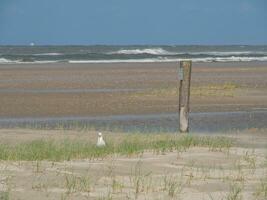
point(5, 61)
point(163, 52)
point(154, 51)
point(48, 54)
point(164, 59)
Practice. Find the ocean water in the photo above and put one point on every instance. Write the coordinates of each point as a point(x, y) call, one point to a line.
point(120, 54)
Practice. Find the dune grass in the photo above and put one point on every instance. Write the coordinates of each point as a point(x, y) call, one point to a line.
point(49, 149)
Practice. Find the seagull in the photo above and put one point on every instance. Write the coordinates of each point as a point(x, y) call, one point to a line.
point(100, 140)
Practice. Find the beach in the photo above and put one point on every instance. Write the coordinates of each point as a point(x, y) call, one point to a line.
point(62, 91)
point(50, 115)
point(59, 164)
point(133, 100)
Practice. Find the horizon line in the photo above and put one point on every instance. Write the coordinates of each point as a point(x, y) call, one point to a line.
point(43, 45)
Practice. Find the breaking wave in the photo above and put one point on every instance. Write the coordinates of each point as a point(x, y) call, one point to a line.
point(129, 54)
point(6, 61)
point(48, 54)
point(146, 60)
point(164, 59)
point(154, 51)
point(160, 51)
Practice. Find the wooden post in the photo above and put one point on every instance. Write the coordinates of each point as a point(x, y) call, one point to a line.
point(184, 95)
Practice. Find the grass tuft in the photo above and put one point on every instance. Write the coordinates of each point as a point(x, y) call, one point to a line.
point(128, 145)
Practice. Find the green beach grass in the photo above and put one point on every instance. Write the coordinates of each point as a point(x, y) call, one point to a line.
point(129, 144)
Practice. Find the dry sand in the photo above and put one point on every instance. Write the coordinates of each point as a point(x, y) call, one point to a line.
point(198, 173)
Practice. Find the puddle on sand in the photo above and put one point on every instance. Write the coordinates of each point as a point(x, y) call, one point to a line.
point(167, 122)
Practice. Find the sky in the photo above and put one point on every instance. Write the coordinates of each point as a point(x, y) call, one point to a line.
point(126, 22)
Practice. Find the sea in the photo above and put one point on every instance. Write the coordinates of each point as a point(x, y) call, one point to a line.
point(131, 53)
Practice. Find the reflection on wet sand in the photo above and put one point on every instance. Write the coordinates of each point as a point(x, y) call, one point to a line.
point(199, 122)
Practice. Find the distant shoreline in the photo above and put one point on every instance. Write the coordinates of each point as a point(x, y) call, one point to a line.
point(125, 64)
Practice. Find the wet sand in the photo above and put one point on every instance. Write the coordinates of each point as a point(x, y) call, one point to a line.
point(208, 122)
point(95, 90)
point(106, 89)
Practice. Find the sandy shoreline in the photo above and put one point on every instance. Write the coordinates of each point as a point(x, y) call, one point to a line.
point(72, 91)
point(109, 89)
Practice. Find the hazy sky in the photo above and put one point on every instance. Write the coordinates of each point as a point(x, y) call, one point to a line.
point(133, 21)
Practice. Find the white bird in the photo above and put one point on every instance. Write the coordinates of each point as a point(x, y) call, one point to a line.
point(100, 140)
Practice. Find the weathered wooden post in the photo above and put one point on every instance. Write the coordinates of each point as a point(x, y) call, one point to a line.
point(184, 95)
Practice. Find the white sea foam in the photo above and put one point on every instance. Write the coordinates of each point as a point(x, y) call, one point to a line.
point(148, 60)
point(154, 51)
point(226, 53)
point(207, 59)
point(228, 59)
point(41, 62)
point(48, 54)
point(160, 51)
point(121, 61)
point(6, 61)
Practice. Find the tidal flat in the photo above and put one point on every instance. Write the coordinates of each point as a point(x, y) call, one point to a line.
point(224, 96)
point(62, 89)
